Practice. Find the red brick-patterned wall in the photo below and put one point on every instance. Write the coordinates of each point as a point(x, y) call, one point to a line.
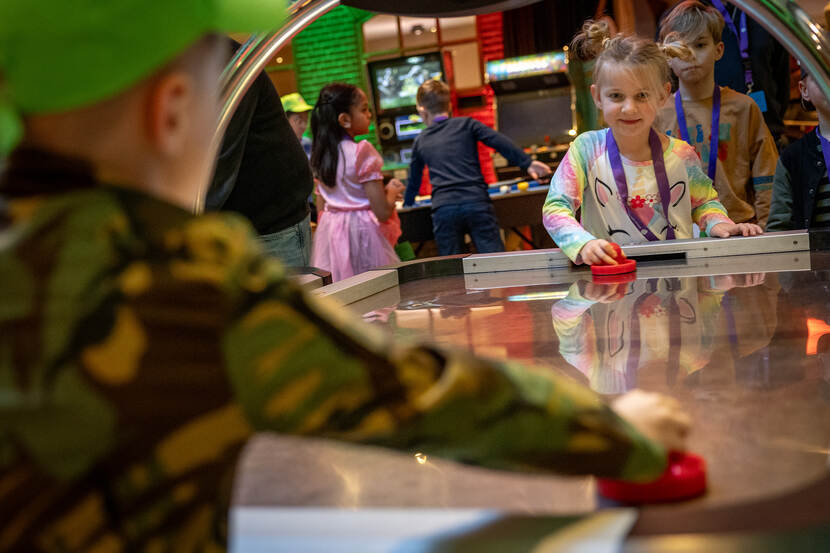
point(491, 47)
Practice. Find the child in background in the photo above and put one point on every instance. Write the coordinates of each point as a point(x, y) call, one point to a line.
point(801, 190)
point(740, 157)
point(349, 239)
point(449, 147)
point(296, 110)
point(632, 183)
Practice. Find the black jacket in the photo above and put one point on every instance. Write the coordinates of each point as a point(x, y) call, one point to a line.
point(796, 184)
point(262, 171)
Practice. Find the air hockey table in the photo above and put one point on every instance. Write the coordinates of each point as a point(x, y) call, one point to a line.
point(515, 205)
point(736, 329)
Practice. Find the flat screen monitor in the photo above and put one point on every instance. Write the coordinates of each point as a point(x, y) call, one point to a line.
point(408, 126)
point(395, 82)
point(527, 66)
point(406, 155)
point(528, 117)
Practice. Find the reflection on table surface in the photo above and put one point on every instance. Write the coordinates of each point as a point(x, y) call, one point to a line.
point(745, 355)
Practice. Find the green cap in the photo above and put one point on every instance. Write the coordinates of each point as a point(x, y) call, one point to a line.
point(294, 102)
point(58, 55)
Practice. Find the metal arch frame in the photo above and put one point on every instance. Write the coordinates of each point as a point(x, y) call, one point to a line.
point(784, 19)
point(794, 29)
point(251, 58)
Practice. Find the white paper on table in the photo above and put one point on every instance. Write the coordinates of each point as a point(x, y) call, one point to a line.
point(603, 532)
point(331, 530)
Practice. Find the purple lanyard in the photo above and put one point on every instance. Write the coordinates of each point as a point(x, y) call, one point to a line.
point(825, 149)
point(659, 172)
point(714, 134)
point(743, 40)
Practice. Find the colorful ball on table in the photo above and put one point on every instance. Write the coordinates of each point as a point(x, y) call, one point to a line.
point(523, 185)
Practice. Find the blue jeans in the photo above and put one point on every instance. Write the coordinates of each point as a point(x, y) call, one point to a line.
point(292, 246)
point(478, 219)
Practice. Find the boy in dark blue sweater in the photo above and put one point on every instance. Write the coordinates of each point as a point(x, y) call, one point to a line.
point(449, 147)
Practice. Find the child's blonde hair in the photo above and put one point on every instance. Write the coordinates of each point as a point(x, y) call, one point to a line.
point(689, 20)
point(595, 42)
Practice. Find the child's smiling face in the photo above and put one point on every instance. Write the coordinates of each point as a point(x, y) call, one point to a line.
point(629, 98)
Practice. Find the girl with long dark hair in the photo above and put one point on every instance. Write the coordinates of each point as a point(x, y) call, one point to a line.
point(356, 229)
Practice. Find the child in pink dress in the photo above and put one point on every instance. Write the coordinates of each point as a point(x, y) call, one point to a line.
point(359, 224)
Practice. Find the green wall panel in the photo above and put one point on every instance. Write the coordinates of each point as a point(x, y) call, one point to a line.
point(331, 50)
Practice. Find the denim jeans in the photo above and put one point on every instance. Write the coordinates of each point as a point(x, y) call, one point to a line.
point(292, 246)
point(478, 219)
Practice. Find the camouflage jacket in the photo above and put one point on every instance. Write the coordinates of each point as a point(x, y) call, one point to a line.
point(141, 346)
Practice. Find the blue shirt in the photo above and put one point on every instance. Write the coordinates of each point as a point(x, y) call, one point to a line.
point(306, 142)
point(450, 149)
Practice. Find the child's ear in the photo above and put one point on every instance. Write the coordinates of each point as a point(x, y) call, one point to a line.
point(719, 50)
point(806, 102)
point(595, 96)
point(666, 91)
point(345, 120)
point(663, 94)
point(802, 88)
point(169, 115)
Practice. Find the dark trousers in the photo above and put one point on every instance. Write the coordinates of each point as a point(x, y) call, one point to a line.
point(478, 219)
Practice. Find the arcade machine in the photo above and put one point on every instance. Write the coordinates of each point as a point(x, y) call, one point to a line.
point(395, 83)
point(534, 106)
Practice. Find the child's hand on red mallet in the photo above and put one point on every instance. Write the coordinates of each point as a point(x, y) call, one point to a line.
point(599, 252)
point(619, 256)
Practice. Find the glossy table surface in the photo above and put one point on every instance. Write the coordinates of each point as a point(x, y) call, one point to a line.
point(744, 353)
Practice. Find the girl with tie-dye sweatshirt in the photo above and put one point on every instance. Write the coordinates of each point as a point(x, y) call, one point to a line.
point(631, 183)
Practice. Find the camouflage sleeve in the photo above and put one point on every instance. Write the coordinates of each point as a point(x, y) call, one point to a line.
point(300, 365)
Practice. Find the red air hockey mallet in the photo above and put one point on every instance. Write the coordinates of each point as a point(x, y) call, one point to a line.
point(684, 478)
point(623, 266)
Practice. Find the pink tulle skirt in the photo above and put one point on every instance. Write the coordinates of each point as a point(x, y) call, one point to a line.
point(348, 243)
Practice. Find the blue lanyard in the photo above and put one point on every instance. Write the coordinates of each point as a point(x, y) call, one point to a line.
point(659, 172)
point(825, 150)
point(743, 40)
point(714, 137)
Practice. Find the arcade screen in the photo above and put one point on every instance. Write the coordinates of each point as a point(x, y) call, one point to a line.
point(528, 117)
point(395, 82)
